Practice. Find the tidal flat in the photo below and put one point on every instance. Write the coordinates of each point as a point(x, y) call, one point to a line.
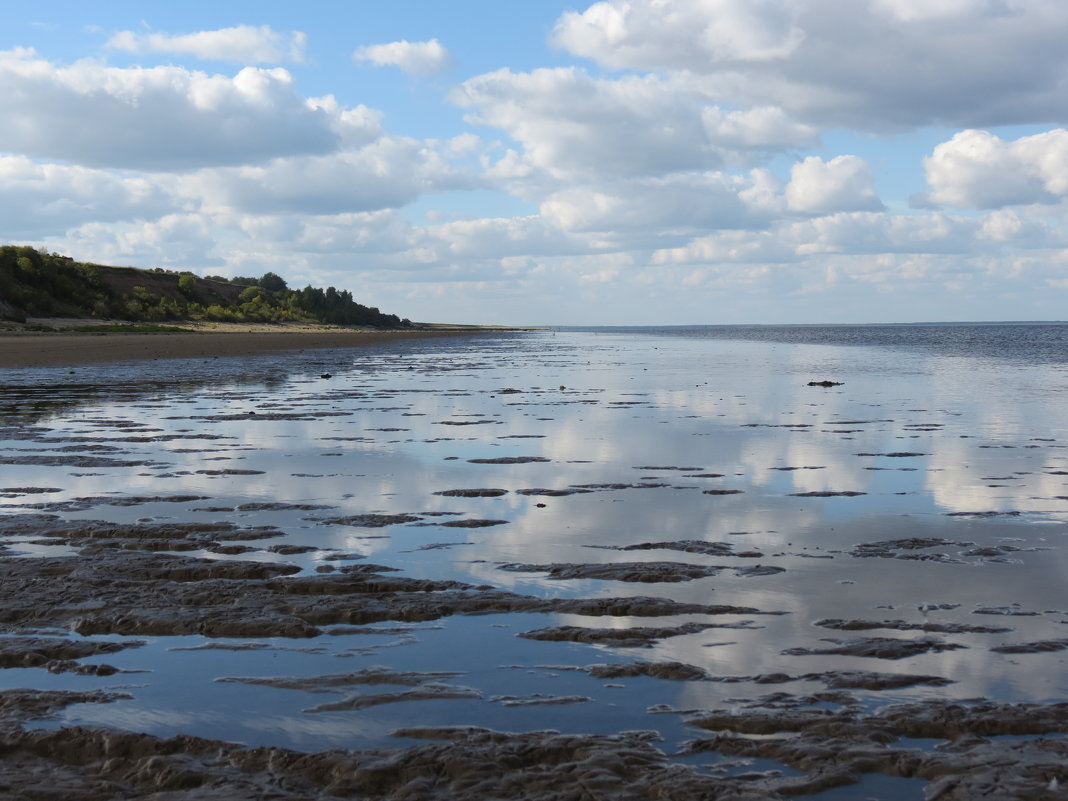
point(537, 565)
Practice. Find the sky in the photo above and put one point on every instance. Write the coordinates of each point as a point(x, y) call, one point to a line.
point(626, 162)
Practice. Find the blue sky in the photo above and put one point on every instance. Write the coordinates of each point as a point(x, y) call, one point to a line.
point(621, 162)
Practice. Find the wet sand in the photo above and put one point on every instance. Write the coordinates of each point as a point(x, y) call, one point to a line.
point(46, 349)
point(498, 568)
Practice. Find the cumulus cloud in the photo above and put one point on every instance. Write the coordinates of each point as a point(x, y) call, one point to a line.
point(163, 118)
point(883, 65)
point(842, 184)
point(661, 207)
point(574, 125)
point(865, 233)
point(503, 238)
point(762, 128)
point(977, 169)
point(387, 173)
point(651, 34)
point(916, 10)
point(243, 43)
point(414, 58)
point(39, 199)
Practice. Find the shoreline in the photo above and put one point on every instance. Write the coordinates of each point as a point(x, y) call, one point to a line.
point(30, 349)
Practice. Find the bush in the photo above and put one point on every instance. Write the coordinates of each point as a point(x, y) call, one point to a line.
point(187, 285)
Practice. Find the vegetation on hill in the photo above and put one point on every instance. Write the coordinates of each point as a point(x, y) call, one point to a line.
point(39, 284)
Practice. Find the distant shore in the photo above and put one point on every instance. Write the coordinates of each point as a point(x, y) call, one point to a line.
point(32, 347)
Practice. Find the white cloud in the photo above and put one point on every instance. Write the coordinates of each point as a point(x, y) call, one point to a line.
point(163, 118)
point(882, 65)
point(45, 198)
point(387, 173)
point(244, 43)
point(866, 233)
point(765, 127)
point(500, 238)
point(977, 169)
point(732, 247)
point(652, 34)
point(188, 240)
point(660, 189)
point(573, 125)
point(918, 10)
point(414, 58)
point(661, 208)
point(842, 184)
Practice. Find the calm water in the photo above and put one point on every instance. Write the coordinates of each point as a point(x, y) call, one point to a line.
point(978, 409)
point(1036, 343)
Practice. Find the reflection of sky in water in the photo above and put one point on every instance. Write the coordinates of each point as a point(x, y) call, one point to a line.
point(381, 436)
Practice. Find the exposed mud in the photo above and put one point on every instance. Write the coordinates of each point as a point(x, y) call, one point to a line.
point(686, 546)
point(59, 655)
point(803, 734)
point(827, 494)
point(539, 699)
point(903, 625)
point(833, 679)
point(510, 460)
point(464, 762)
point(878, 648)
point(338, 681)
point(472, 523)
point(149, 594)
point(646, 572)
point(829, 747)
point(473, 493)
point(1039, 647)
point(312, 585)
point(906, 548)
point(102, 534)
point(430, 691)
point(551, 493)
point(633, 637)
point(367, 520)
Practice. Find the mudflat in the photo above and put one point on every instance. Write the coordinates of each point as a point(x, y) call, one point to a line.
point(535, 566)
point(59, 349)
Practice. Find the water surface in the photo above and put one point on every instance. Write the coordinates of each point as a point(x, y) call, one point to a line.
point(954, 434)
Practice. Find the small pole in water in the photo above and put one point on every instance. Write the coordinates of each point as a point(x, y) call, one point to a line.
point(924, 608)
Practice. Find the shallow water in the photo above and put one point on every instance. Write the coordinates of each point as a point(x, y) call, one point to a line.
point(674, 438)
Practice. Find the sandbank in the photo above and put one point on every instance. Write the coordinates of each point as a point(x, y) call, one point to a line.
point(22, 348)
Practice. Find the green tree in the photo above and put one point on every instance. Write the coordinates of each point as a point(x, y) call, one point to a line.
point(273, 283)
point(187, 285)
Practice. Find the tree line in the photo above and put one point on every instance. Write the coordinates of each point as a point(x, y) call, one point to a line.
point(35, 283)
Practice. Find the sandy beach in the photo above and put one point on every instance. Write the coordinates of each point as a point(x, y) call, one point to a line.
point(535, 566)
point(59, 349)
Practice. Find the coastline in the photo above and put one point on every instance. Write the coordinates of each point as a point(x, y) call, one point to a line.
point(27, 349)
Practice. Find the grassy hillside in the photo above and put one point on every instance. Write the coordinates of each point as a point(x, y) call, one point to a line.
point(39, 284)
